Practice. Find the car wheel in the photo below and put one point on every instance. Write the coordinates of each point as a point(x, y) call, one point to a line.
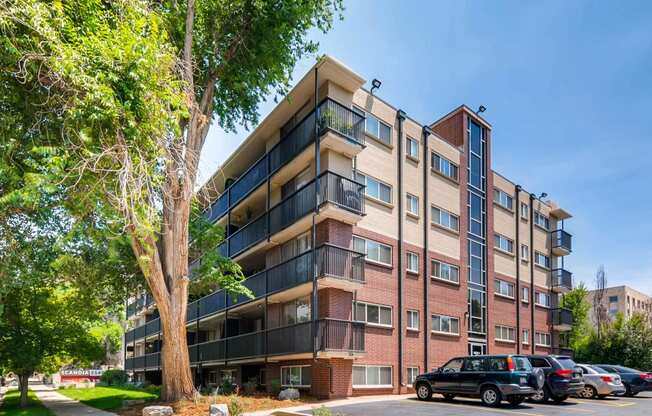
point(588, 392)
point(541, 396)
point(515, 400)
point(490, 396)
point(448, 396)
point(559, 399)
point(424, 392)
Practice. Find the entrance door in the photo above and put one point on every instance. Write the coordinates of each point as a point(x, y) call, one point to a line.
point(476, 348)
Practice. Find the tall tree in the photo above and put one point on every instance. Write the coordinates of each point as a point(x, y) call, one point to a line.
point(136, 86)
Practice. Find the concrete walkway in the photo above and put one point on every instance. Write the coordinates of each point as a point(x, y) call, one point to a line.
point(61, 405)
point(333, 403)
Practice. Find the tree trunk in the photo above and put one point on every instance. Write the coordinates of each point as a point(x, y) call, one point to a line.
point(23, 380)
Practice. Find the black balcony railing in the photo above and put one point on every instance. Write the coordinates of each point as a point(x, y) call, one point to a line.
point(337, 335)
point(340, 263)
point(331, 116)
point(332, 335)
point(248, 235)
point(562, 278)
point(561, 317)
point(561, 240)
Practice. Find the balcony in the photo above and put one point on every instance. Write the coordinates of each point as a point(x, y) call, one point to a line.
point(562, 319)
point(561, 280)
point(335, 338)
point(561, 242)
point(339, 127)
point(142, 302)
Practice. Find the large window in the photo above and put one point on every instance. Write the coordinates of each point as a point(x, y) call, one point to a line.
point(372, 376)
point(445, 324)
point(296, 311)
point(296, 376)
point(541, 220)
point(413, 320)
point(375, 251)
point(375, 188)
point(541, 259)
point(504, 288)
point(503, 199)
point(503, 243)
point(372, 314)
point(542, 339)
point(505, 333)
point(445, 218)
point(542, 299)
point(412, 373)
point(443, 166)
point(444, 271)
point(378, 129)
point(412, 204)
point(412, 262)
point(412, 148)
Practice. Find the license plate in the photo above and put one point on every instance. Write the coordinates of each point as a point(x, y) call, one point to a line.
point(523, 380)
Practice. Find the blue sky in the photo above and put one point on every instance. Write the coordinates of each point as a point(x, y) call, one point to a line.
point(568, 90)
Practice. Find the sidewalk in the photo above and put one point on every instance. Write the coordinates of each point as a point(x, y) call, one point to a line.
point(333, 403)
point(64, 406)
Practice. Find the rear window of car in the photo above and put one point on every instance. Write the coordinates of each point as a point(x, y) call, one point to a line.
point(522, 364)
point(597, 369)
point(539, 362)
point(626, 370)
point(567, 363)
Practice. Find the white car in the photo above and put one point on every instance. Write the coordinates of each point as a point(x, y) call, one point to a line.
point(599, 383)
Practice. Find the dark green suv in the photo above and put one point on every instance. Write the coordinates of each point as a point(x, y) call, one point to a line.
point(492, 378)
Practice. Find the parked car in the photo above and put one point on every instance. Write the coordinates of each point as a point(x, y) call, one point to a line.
point(562, 377)
point(599, 383)
point(635, 381)
point(492, 378)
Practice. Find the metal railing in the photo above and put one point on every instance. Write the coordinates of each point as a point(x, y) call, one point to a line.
point(338, 335)
point(561, 278)
point(290, 339)
point(561, 239)
point(561, 316)
point(340, 263)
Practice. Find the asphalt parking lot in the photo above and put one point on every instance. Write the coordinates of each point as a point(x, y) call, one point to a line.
point(611, 406)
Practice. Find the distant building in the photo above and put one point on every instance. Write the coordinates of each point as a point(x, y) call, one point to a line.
point(622, 299)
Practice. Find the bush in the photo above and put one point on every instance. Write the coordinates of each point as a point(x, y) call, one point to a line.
point(114, 377)
point(250, 386)
point(275, 386)
point(235, 407)
point(226, 388)
point(321, 411)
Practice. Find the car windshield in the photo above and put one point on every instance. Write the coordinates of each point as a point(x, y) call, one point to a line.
point(626, 370)
point(567, 363)
point(597, 369)
point(522, 364)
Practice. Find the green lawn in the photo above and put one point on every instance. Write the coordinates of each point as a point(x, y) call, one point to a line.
point(106, 398)
point(11, 405)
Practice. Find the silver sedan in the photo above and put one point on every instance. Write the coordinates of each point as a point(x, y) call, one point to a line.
point(599, 383)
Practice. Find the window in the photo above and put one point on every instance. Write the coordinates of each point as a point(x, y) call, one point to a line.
point(444, 166)
point(504, 288)
point(413, 320)
point(453, 366)
point(525, 252)
point(505, 333)
point(412, 148)
point(445, 219)
point(525, 294)
point(541, 259)
point(542, 339)
point(525, 210)
point(372, 376)
point(541, 220)
point(296, 311)
point(412, 204)
point(526, 336)
point(613, 299)
point(375, 251)
point(504, 200)
point(445, 324)
point(474, 364)
point(412, 373)
point(503, 243)
point(372, 314)
point(542, 299)
point(445, 271)
point(412, 262)
point(375, 188)
point(378, 129)
point(297, 376)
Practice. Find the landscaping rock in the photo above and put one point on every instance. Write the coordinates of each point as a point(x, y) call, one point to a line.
point(133, 402)
point(289, 394)
point(218, 410)
point(158, 411)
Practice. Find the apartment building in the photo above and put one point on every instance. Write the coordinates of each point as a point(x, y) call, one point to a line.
point(377, 248)
point(619, 299)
